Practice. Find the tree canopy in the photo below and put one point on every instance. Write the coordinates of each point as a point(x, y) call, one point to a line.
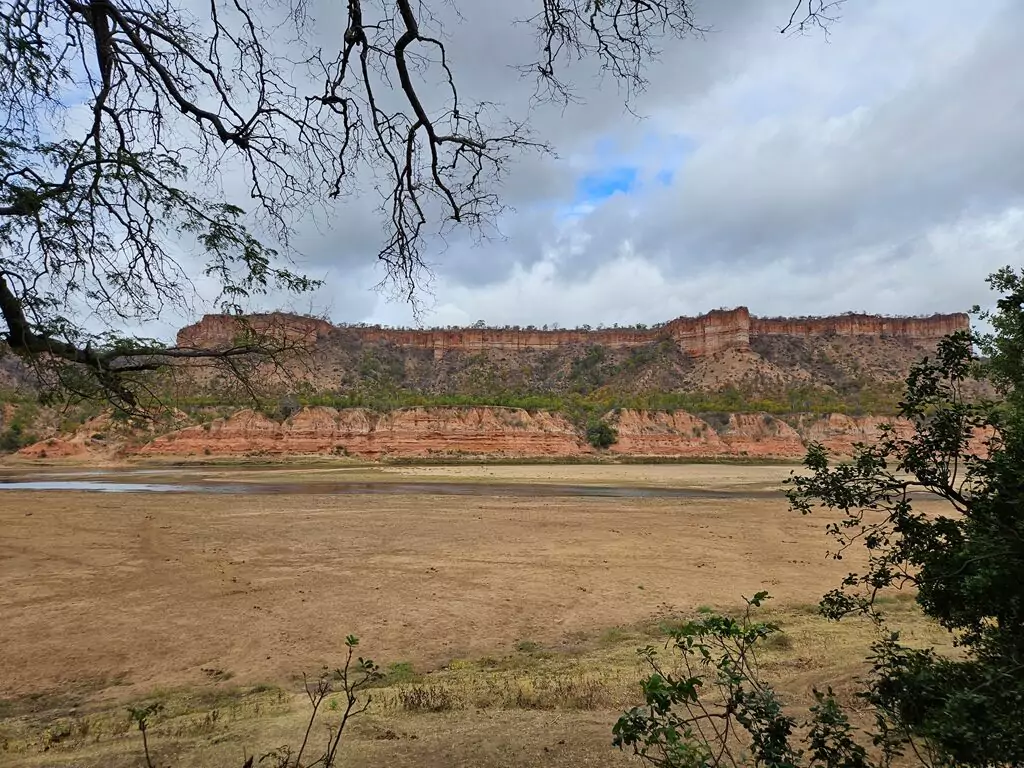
point(964, 561)
point(122, 119)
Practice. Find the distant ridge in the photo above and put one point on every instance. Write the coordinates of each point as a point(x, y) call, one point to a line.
point(697, 336)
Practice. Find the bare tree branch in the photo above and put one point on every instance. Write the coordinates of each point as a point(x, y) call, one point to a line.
point(813, 14)
point(122, 119)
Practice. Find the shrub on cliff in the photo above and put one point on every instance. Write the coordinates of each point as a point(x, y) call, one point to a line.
point(14, 438)
point(601, 435)
point(966, 565)
point(287, 407)
point(17, 432)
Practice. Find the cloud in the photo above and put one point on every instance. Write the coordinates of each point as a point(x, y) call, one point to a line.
point(627, 288)
point(874, 170)
point(823, 177)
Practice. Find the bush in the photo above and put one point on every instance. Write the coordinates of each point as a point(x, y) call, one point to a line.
point(601, 434)
point(287, 407)
point(14, 438)
point(716, 708)
point(426, 698)
point(717, 420)
point(966, 568)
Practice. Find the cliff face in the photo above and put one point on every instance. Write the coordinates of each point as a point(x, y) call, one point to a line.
point(714, 332)
point(655, 433)
point(481, 432)
point(509, 433)
point(913, 328)
point(218, 331)
point(723, 361)
point(698, 336)
point(474, 341)
point(407, 432)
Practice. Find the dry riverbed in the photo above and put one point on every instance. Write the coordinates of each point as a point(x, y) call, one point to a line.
point(216, 603)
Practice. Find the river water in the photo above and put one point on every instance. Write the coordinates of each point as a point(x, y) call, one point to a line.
point(184, 481)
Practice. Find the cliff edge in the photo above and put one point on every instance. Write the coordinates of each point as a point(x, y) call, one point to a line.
point(700, 336)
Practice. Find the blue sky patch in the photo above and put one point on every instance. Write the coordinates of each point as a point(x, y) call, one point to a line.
point(594, 187)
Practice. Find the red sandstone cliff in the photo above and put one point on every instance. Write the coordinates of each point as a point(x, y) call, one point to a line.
point(217, 331)
point(699, 336)
point(407, 432)
point(507, 433)
point(658, 433)
point(916, 328)
point(485, 432)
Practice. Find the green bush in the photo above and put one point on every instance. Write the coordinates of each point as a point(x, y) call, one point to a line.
point(578, 406)
point(966, 568)
point(601, 435)
point(713, 708)
point(15, 437)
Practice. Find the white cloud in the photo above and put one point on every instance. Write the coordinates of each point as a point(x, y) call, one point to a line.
point(874, 171)
point(631, 288)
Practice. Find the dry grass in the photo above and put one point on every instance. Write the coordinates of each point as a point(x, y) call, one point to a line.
point(458, 715)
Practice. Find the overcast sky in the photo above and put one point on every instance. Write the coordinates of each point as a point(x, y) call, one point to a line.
point(881, 170)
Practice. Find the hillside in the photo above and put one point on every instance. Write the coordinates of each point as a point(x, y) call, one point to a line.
point(722, 384)
point(846, 362)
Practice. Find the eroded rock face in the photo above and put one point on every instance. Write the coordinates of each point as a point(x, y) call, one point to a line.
point(80, 443)
point(658, 433)
point(699, 336)
point(760, 434)
point(485, 432)
point(915, 328)
point(56, 448)
point(839, 432)
point(102, 438)
point(218, 331)
point(648, 433)
point(645, 433)
point(509, 433)
point(407, 432)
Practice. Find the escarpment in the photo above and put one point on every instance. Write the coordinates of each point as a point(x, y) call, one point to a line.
point(490, 432)
point(482, 433)
point(697, 336)
point(724, 384)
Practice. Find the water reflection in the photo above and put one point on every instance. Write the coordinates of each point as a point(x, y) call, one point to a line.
point(335, 488)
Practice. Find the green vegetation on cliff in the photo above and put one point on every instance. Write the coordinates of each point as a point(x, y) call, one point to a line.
point(878, 401)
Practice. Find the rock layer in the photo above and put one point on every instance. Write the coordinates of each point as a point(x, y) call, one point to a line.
point(698, 336)
point(219, 331)
point(407, 432)
point(509, 433)
point(916, 328)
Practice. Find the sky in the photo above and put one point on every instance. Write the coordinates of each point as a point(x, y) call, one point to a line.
point(878, 169)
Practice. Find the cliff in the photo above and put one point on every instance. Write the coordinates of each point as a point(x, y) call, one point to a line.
point(482, 431)
point(850, 363)
point(477, 432)
point(491, 432)
point(219, 331)
point(707, 334)
point(694, 386)
point(407, 432)
point(914, 328)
